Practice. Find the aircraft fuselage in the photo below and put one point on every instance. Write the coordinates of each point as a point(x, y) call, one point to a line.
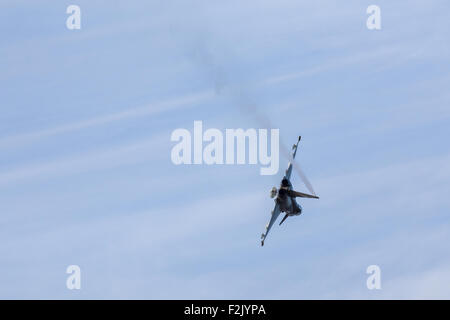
point(287, 203)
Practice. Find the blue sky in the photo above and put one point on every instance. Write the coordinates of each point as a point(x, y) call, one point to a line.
point(86, 176)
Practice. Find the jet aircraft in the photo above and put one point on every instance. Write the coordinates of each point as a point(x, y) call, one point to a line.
point(285, 197)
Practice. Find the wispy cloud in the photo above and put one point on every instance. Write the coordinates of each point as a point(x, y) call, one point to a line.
point(149, 110)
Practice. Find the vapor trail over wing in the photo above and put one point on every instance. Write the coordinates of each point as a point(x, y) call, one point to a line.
point(219, 76)
point(265, 123)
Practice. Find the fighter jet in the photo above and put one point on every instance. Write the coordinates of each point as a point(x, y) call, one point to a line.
point(285, 197)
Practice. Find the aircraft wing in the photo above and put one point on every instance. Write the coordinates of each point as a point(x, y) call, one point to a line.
point(293, 193)
point(273, 218)
point(294, 152)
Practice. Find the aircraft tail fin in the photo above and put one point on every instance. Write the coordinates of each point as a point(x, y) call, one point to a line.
point(285, 217)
